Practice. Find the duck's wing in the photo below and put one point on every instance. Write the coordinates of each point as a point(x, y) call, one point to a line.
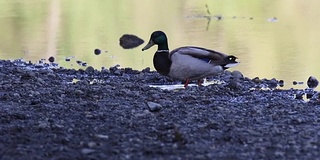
point(198, 52)
point(207, 55)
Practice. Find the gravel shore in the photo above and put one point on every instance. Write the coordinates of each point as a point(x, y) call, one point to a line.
point(58, 113)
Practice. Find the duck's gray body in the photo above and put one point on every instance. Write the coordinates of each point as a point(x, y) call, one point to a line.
point(186, 66)
point(187, 63)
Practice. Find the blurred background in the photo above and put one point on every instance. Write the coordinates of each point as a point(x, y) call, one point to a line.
point(272, 39)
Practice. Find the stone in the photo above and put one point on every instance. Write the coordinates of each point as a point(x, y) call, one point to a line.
point(97, 51)
point(154, 107)
point(312, 82)
point(237, 74)
point(129, 41)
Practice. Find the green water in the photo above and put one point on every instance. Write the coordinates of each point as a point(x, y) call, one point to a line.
point(286, 48)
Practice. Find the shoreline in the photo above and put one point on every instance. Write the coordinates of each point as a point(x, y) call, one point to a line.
point(52, 113)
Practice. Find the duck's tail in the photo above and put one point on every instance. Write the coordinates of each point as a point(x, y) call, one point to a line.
point(229, 61)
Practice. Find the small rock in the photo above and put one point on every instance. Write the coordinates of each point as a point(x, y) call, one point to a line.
point(299, 94)
point(16, 95)
point(234, 85)
point(87, 151)
point(42, 125)
point(84, 64)
point(256, 80)
point(78, 92)
point(236, 74)
point(273, 83)
point(129, 41)
point(154, 107)
point(51, 59)
point(146, 70)
point(102, 136)
point(312, 82)
point(117, 72)
point(79, 62)
point(97, 51)
point(89, 69)
point(281, 83)
point(93, 144)
point(316, 97)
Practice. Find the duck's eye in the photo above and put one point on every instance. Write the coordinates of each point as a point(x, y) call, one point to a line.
point(232, 58)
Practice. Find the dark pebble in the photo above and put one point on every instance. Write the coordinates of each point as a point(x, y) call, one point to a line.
point(256, 80)
point(281, 83)
point(299, 94)
point(97, 51)
point(89, 69)
point(312, 82)
point(51, 59)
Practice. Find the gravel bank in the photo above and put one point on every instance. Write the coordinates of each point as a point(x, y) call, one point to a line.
point(62, 113)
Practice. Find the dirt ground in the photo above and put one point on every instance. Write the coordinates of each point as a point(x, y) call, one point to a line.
point(57, 113)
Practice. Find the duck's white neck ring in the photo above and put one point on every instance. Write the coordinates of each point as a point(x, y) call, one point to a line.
point(164, 50)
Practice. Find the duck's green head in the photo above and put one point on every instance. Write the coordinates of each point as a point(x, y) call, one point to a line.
point(159, 38)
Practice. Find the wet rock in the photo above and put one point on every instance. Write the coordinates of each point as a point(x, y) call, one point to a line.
point(129, 41)
point(51, 59)
point(97, 51)
point(296, 83)
point(312, 82)
point(154, 107)
point(84, 64)
point(281, 83)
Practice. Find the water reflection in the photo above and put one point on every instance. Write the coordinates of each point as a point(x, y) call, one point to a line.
point(283, 48)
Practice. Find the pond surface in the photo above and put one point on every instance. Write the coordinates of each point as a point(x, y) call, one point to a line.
point(272, 39)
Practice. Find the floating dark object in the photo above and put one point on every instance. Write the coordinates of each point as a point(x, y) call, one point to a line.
point(97, 51)
point(84, 64)
point(67, 59)
point(129, 41)
point(79, 62)
point(51, 59)
point(295, 82)
point(219, 17)
point(281, 83)
point(312, 82)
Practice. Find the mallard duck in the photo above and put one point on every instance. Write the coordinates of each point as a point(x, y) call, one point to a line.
point(187, 63)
